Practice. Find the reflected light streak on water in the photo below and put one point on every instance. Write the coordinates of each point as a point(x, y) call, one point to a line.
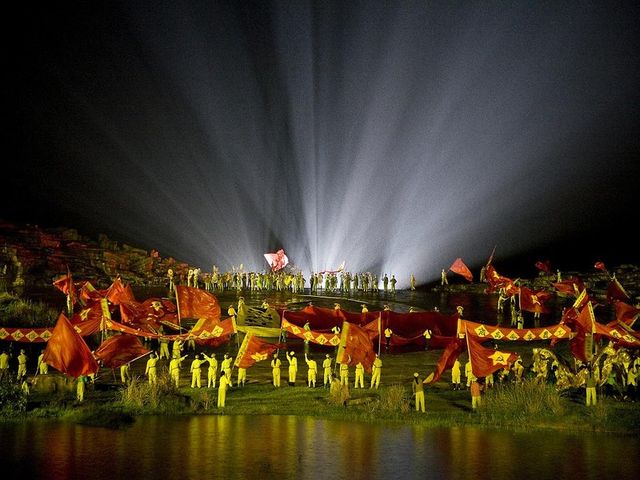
point(305, 448)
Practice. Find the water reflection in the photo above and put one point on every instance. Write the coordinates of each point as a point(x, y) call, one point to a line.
point(268, 447)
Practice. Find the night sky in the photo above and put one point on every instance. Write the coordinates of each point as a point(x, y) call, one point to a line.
point(394, 136)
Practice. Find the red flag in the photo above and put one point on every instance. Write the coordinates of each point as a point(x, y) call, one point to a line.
point(373, 328)
point(66, 351)
point(544, 266)
point(533, 301)
point(196, 303)
point(66, 286)
point(461, 269)
point(253, 350)
point(447, 359)
point(119, 293)
point(208, 328)
point(497, 281)
point(600, 266)
point(485, 361)
point(571, 286)
point(120, 349)
point(626, 313)
point(615, 291)
point(277, 261)
point(355, 347)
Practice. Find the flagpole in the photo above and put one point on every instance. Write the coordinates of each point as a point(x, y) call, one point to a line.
point(379, 332)
point(175, 290)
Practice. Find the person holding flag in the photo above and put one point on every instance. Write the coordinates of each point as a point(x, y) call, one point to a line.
point(344, 374)
point(222, 390)
point(195, 371)
point(376, 372)
point(150, 369)
point(359, 376)
point(225, 367)
point(174, 369)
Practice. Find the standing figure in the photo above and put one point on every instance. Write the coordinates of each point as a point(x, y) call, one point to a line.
point(387, 337)
point(4, 365)
point(359, 376)
point(455, 375)
point(225, 367)
point(195, 371)
point(43, 367)
point(476, 392)
point(275, 370)
point(418, 390)
point(242, 376)
point(212, 370)
point(293, 368)
point(174, 369)
point(22, 365)
point(443, 278)
point(150, 370)
point(81, 382)
point(326, 366)
point(376, 372)
point(468, 373)
point(344, 374)
point(125, 373)
point(412, 283)
point(222, 390)
point(312, 373)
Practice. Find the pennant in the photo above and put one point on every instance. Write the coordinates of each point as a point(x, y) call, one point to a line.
point(253, 349)
point(277, 261)
point(67, 352)
point(355, 347)
point(119, 350)
point(461, 269)
point(485, 361)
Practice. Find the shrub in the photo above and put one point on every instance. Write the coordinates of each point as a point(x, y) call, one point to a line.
point(12, 398)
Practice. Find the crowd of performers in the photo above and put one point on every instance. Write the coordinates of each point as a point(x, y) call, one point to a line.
point(281, 281)
point(604, 355)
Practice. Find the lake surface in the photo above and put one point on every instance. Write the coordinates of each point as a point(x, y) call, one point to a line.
point(287, 447)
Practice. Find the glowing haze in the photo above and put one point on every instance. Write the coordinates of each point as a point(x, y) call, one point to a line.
point(395, 136)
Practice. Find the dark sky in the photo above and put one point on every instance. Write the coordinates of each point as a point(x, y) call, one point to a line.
point(396, 136)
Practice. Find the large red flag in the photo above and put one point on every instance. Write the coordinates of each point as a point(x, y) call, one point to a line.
point(626, 313)
point(485, 361)
point(208, 328)
point(533, 301)
point(461, 269)
point(615, 291)
point(119, 293)
point(196, 303)
point(447, 359)
point(253, 350)
point(355, 347)
point(571, 286)
point(120, 349)
point(66, 351)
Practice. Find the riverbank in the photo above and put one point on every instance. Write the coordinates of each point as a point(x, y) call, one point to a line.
point(110, 404)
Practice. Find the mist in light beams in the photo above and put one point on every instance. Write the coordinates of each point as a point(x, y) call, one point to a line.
point(393, 136)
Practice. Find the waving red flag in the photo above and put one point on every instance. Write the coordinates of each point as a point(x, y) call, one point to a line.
point(253, 350)
point(485, 361)
point(67, 352)
point(533, 301)
point(571, 286)
point(461, 269)
point(355, 347)
point(447, 359)
point(277, 261)
point(626, 313)
point(66, 286)
point(120, 349)
point(615, 291)
point(196, 303)
point(600, 266)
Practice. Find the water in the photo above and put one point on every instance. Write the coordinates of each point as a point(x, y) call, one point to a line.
point(283, 447)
